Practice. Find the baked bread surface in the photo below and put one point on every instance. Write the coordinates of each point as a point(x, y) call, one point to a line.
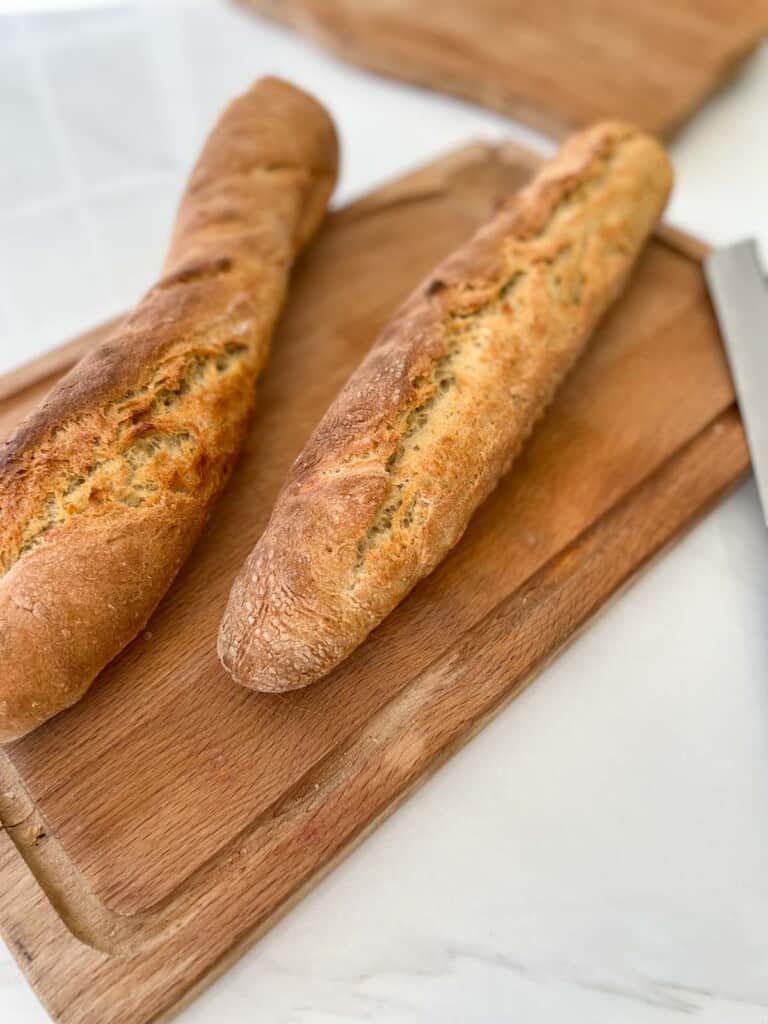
point(105, 487)
point(436, 413)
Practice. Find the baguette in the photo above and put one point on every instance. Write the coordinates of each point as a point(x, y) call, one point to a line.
point(105, 488)
point(436, 413)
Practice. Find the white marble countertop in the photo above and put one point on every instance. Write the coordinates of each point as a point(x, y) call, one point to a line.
point(597, 854)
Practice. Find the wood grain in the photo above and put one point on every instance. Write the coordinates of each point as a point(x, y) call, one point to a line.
point(163, 823)
point(551, 63)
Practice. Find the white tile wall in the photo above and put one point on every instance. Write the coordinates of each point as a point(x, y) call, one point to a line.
point(111, 134)
point(31, 168)
point(51, 270)
point(131, 225)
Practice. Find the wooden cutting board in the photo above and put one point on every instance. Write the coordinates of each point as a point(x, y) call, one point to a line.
point(159, 826)
point(551, 63)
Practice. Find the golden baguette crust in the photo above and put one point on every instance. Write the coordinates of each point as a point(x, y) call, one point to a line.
point(104, 489)
point(434, 416)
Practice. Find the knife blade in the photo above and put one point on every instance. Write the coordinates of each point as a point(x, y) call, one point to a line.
point(739, 294)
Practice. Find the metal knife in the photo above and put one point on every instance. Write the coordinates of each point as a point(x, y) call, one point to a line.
point(739, 292)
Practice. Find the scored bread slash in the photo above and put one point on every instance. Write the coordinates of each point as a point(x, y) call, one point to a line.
point(105, 488)
point(436, 413)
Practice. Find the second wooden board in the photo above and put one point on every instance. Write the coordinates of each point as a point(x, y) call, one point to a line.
point(552, 63)
point(160, 824)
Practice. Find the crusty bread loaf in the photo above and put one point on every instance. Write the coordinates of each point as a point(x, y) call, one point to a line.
point(105, 488)
point(435, 414)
